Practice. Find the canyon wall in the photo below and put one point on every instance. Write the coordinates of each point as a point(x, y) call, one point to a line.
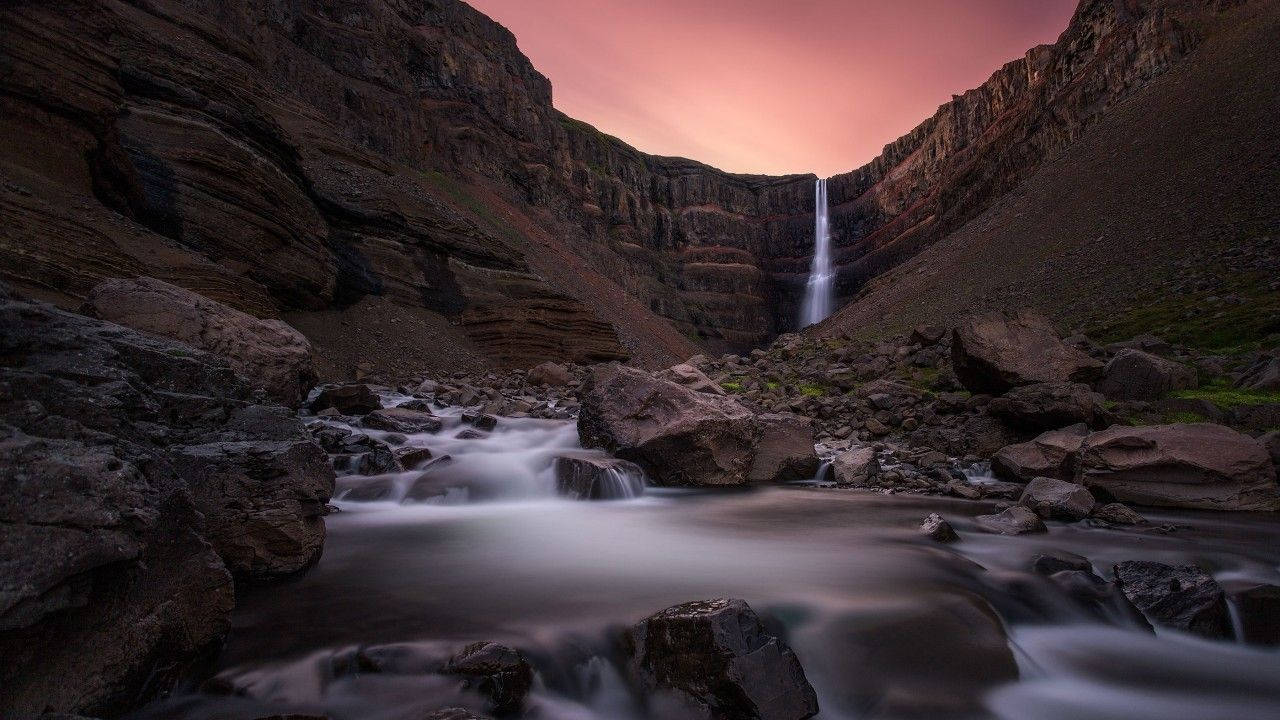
point(302, 154)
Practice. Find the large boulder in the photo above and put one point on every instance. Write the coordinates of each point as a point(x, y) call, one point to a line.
point(1051, 454)
point(855, 467)
point(714, 659)
point(498, 672)
point(352, 399)
point(1045, 406)
point(1262, 374)
point(549, 373)
point(134, 472)
point(692, 378)
point(402, 420)
point(785, 450)
point(1198, 465)
point(269, 353)
point(1181, 597)
point(1016, 520)
point(1057, 500)
point(679, 436)
point(1138, 375)
point(994, 352)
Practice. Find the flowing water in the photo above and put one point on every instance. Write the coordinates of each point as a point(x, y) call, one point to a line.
point(819, 290)
point(885, 623)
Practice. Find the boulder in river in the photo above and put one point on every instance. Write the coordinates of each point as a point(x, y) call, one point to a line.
point(1118, 514)
point(402, 420)
point(1137, 375)
point(1015, 520)
point(714, 659)
point(784, 452)
point(1057, 499)
point(1259, 608)
point(498, 672)
point(679, 436)
point(112, 580)
point(856, 467)
point(1045, 406)
point(585, 476)
point(995, 352)
point(268, 353)
point(352, 399)
point(1182, 597)
point(937, 529)
point(1051, 454)
point(1199, 465)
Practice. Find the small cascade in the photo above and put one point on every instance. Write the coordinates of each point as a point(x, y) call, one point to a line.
point(620, 483)
point(818, 296)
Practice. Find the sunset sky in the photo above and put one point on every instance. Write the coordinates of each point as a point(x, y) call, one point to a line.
point(765, 85)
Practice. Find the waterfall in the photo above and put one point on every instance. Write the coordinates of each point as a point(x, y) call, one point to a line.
point(818, 290)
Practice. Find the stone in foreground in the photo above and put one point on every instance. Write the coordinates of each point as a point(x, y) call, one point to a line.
point(1016, 520)
point(937, 529)
point(1202, 466)
point(497, 672)
point(1057, 500)
point(1183, 597)
point(714, 659)
point(995, 352)
point(679, 436)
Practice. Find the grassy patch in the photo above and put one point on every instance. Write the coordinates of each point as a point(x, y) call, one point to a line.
point(811, 390)
point(731, 386)
point(1184, 416)
point(1220, 393)
point(772, 384)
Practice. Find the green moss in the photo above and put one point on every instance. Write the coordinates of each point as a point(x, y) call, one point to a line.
point(731, 386)
point(811, 390)
point(1220, 393)
point(1184, 416)
point(773, 384)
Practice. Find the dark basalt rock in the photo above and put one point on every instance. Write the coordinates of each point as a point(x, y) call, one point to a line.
point(354, 399)
point(1137, 375)
point(1046, 406)
point(937, 529)
point(1183, 597)
point(997, 352)
point(1057, 500)
point(498, 672)
point(402, 420)
point(134, 472)
point(1259, 608)
point(714, 658)
point(1016, 520)
point(586, 477)
point(1055, 561)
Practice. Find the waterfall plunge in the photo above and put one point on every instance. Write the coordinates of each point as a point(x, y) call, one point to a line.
point(818, 291)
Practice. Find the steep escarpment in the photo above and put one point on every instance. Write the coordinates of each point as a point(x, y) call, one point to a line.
point(303, 156)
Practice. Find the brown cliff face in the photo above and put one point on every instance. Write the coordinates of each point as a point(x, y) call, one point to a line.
point(307, 153)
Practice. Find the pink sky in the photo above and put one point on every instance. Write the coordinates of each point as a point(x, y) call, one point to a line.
point(769, 86)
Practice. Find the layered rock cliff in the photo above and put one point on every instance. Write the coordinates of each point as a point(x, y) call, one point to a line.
point(303, 154)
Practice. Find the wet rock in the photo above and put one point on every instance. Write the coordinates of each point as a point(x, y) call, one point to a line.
point(1016, 520)
point(402, 420)
point(378, 460)
point(679, 436)
point(784, 451)
point(715, 658)
point(1118, 514)
point(480, 422)
point(1203, 466)
point(550, 374)
point(412, 458)
point(470, 434)
point(962, 489)
point(1051, 454)
point(995, 352)
point(1138, 375)
point(692, 378)
point(1045, 406)
point(1000, 490)
point(1259, 609)
point(498, 672)
point(1057, 500)
point(1055, 561)
point(268, 353)
point(856, 467)
point(355, 399)
point(937, 529)
point(1182, 597)
point(587, 477)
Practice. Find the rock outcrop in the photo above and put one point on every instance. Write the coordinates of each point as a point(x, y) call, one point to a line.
point(268, 353)
point(714, 659)
point(1184, 597)
point(139, 477)
point(1194, 466)
point(996, 352)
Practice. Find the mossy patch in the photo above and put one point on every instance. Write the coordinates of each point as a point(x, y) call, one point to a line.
point(732, 386)
point(811, 390)
point(1222, 394)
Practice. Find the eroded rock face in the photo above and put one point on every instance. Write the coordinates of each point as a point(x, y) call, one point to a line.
point(114, 552)
point(996, 352)
point(714, 659)
point(679, 436)
point(1137, 375)
point(268, 353)
point(1183, 597)
point(1199, 465)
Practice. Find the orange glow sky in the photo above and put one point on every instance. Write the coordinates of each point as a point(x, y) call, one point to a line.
point(770, 86)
